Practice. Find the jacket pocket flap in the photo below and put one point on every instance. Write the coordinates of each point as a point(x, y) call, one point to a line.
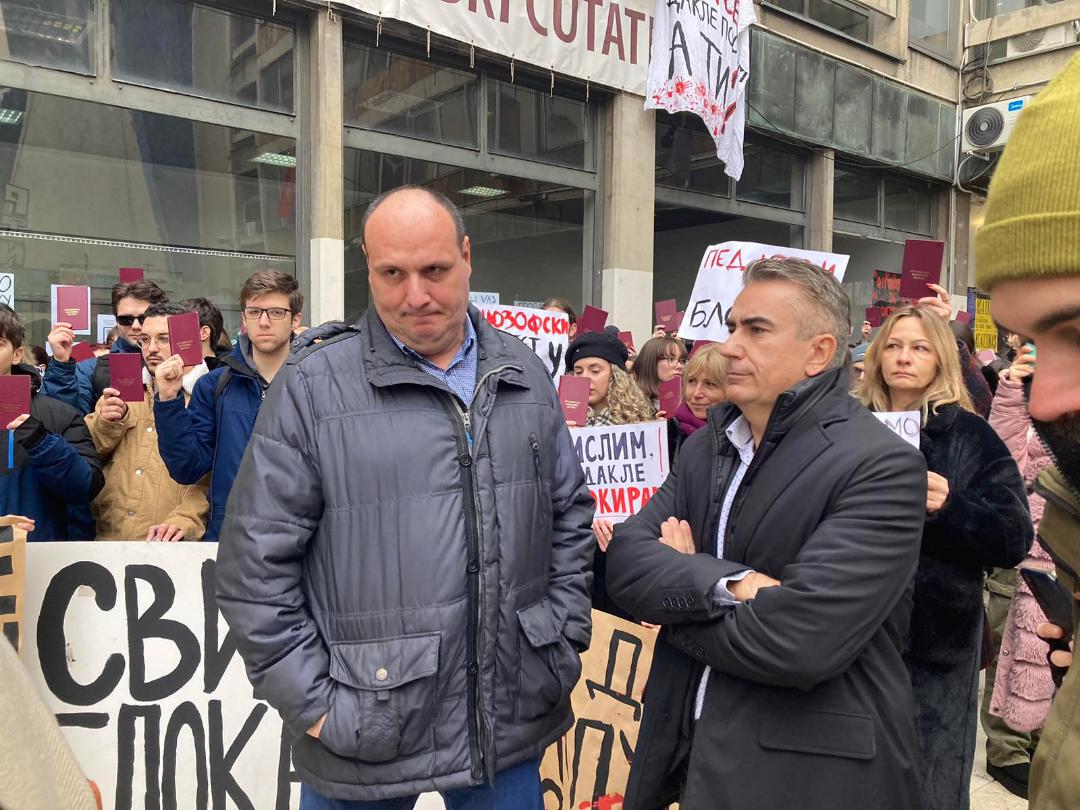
point(816, 732)
point(538, 622)
point(384, 663)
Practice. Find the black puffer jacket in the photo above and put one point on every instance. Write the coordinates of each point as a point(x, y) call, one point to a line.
point(428, 594)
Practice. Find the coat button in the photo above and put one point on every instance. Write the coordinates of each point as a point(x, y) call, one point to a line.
point(473, 668)
point(381, 674)
point(138, 472)
point(477, 773)
point(465, 460)
point(473, 567)
point(149, 430)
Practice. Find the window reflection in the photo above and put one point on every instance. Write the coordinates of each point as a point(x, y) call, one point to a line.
point(204, 51)
point(532, 124)
point(49, 33)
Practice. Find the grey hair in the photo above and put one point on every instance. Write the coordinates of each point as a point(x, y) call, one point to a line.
point(827, 309)
point(437, 196)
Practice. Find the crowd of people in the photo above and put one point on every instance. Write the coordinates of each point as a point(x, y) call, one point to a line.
point(409, 557)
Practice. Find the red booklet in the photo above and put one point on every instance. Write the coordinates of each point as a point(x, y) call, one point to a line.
point(963, 316)
point(873, 316)
point(670, 395)
point(574, 398)
point(73, 306)
point(922, 266)
point(627, 340)
point(125, 375)
point(592, 320)
point(676, 322)
point(14, 398)
point(184, 336)
point(129, 275)
point(665, 313)
point(81, 351)
point(699, 345)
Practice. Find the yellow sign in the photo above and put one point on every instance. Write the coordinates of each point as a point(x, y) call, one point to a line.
point(986, 333)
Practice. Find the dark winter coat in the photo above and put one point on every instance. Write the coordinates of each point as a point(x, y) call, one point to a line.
point(418, 573)
point(985, 523)
point(56, 466)
point(808, 703)
point(212, 432)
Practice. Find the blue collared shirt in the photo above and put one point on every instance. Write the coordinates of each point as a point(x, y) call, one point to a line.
point(460, 375)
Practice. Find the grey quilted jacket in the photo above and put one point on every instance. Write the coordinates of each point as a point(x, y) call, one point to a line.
point(428, 593)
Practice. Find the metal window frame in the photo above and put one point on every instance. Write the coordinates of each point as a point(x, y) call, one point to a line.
point(101, 88)
point(880, 230)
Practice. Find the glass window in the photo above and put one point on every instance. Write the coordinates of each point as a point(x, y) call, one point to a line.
point(191, 48)
point(528, 123)
point(908, 205)
point(686, 156)
point(49, 33)
point(388, 92)
point(199, 206)
point(771, 175)
point(681, 235)
point(984, 9)
point(935, 24)
point(527, 236)
point(834, 14)
point(855, 195)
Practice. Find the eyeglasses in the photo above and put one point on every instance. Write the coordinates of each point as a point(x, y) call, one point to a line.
point(274, 313)
point(128, 320)
point(161, 341)
point(674, 361)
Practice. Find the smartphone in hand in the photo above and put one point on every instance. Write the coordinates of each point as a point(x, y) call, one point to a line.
point(1057, 604)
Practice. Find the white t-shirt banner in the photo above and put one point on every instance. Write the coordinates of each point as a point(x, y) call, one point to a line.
point(546, 333)
point(720, 280)
point(624, 465)
point(130, 652)
point(700, 63)
point(905, 424)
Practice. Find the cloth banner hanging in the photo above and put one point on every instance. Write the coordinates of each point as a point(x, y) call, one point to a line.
point(700, 63)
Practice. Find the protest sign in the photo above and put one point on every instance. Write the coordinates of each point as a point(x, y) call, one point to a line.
point(589, 766)
point(483, 299)
point(7, 289)
point(700, 63)
point(624, 465)
point(128, 648)
point(720, 280)
point(986, 331)
point(905, 424)
point(886, 293)
point(546, 333)
point(12, 580)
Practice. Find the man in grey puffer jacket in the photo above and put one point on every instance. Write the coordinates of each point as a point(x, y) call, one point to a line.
point(406, 554)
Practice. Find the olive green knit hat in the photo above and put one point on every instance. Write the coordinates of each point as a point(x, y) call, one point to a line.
point(1032, 224)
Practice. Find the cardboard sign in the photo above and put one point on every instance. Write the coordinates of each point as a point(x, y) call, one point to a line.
point(546, 333)
point(922, 266)
point(664, 312)
point(589, 767)
point(81, 351)
point(720, 280)
point(624, 465)
point(12, 580)
point(71, 305)
point(184, 337)
point(670, 396)
point(905, 424)
point(574, 398)
point(14, 401)
point(129, 275)
point(592, 320)
point(126, 376)
point(128, 649)
point(873, 316)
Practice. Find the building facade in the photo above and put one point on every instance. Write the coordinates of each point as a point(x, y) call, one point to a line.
point(204, 140)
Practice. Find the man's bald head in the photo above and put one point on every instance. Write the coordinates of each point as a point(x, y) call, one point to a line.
point(405, 195)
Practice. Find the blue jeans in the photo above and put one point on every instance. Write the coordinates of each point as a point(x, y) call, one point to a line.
point(516, 788)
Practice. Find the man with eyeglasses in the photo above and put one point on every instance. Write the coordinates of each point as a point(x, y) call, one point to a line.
point(140, 499)
point(211, 434)
point(81, 384)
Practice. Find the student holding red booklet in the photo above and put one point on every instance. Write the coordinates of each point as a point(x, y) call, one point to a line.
point(49, 461)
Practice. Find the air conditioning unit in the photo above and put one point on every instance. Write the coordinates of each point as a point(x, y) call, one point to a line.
point(988, 126)
point(1043, 39)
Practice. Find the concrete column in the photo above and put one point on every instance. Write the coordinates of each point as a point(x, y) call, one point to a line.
point(820, 199)
point(322, 179)
point(629, 197)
